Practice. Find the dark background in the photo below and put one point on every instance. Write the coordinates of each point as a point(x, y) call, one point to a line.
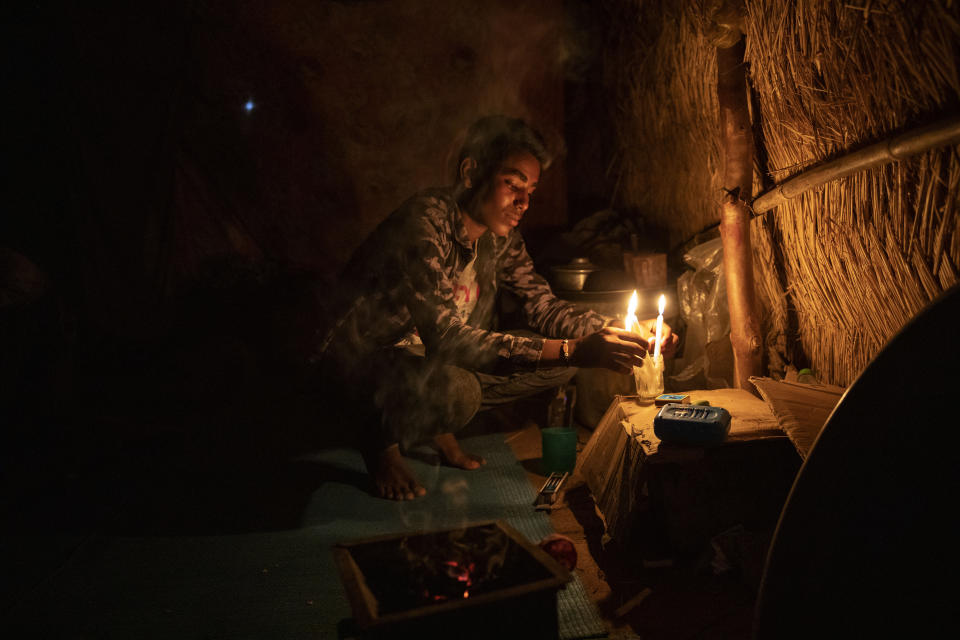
point(164, 248)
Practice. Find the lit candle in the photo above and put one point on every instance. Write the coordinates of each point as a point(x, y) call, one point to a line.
point(631, 320)
point(656, 346)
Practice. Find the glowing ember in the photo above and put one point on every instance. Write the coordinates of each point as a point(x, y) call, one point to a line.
point(462, 573)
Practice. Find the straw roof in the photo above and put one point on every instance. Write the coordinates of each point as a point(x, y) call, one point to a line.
point(841, 268)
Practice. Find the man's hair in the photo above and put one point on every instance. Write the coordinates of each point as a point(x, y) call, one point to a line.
point(490, 140)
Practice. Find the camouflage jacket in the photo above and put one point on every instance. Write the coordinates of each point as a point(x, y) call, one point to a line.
point(402, 277)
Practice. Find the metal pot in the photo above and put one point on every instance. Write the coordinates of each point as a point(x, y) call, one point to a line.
point(609, 280)
point(572, 276)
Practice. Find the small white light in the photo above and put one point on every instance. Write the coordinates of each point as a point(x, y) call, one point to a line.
point(248, 106)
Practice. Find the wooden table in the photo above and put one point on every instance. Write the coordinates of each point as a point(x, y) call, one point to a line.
point(687, 494)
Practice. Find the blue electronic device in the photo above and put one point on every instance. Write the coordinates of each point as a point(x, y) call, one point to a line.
point(692, 424)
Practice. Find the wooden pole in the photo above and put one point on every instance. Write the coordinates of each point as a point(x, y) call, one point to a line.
point(737, 141)
point(940, 134)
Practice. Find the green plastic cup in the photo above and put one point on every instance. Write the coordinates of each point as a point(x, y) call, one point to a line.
point(559, 449)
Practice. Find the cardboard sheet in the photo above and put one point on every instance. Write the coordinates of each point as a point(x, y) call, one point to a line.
point(750, 419)
point(623, 447)
point(801, 409)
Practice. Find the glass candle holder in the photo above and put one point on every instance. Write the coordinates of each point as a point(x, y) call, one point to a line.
point(649, 377)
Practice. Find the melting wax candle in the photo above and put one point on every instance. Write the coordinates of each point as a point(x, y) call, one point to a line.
point(631, 323)
point(656, 346)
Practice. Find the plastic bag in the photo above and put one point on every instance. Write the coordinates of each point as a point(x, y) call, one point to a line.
point(707, 361)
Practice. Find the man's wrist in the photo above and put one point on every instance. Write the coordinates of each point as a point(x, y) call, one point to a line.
point(565, 352)
point(572, 352)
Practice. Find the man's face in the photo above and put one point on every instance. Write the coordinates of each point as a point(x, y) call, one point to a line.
point(508, 194)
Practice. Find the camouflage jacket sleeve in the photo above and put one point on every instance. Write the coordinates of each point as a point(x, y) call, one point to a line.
point(545, 313)
point(429, 295)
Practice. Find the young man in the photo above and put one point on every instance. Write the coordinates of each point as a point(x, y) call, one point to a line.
point(411, 347)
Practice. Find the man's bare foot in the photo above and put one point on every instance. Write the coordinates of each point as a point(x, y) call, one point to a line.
point(453, 455)
point(392, 478)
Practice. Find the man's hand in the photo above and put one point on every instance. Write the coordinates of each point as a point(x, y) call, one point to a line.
point(609, 348)
point(668, 339)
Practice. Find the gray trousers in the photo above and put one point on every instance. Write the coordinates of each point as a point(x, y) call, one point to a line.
point(399, 396)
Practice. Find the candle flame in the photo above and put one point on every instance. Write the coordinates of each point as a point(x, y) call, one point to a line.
point(656, 349)
point(631, 318)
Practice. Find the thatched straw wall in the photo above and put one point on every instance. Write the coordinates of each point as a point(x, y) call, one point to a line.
point(662, 70)
point(841, 268)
